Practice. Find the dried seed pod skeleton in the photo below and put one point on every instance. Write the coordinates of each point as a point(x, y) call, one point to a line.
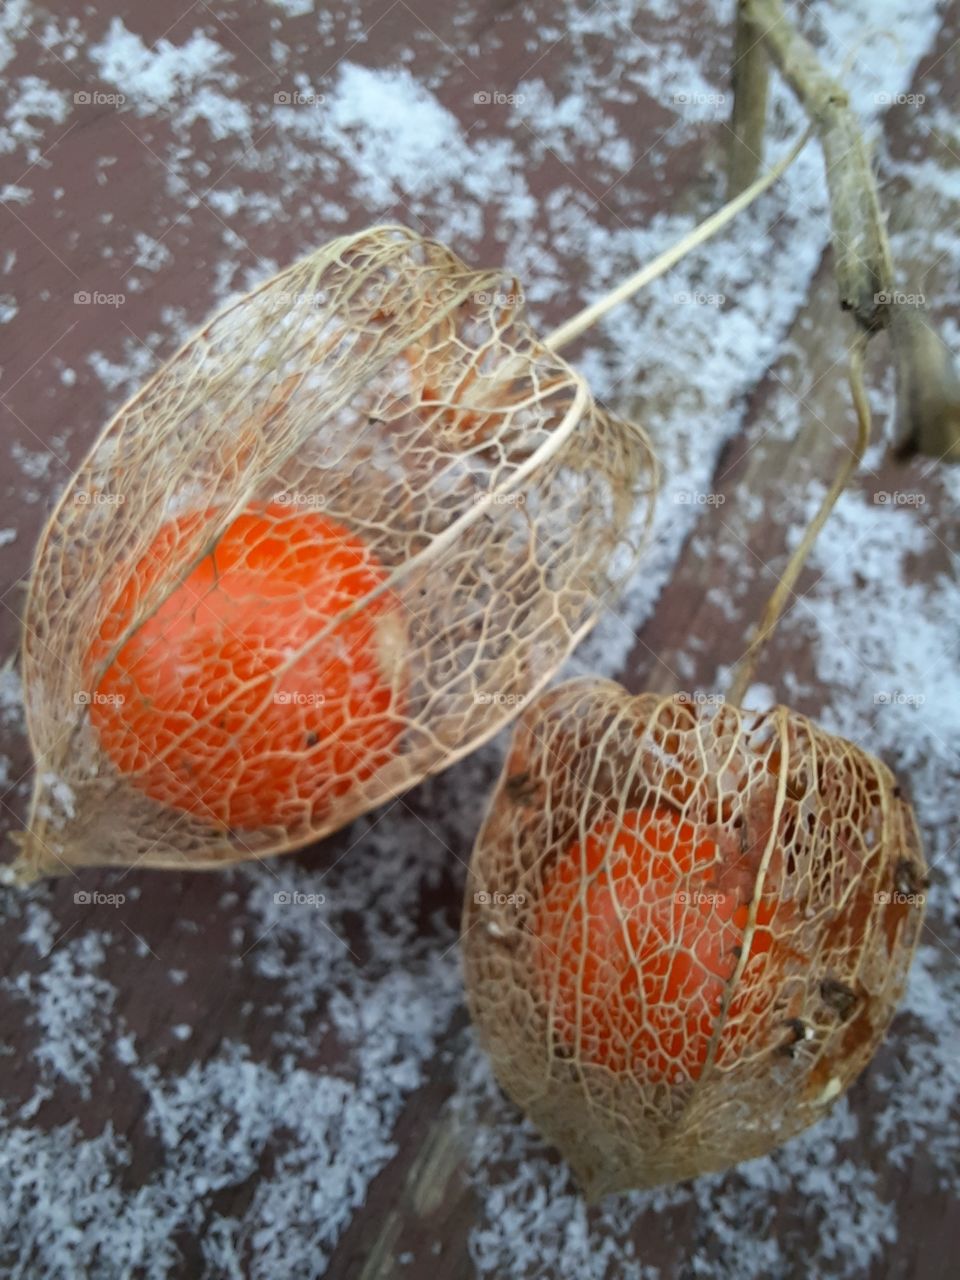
point(685, 933)
point(686, 928)
point(704, 917)
point(377, 385)
point(323, 553)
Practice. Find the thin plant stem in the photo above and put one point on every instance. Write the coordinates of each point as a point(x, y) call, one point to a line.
point(751, 81)
point(582, 321)
point(745, 668)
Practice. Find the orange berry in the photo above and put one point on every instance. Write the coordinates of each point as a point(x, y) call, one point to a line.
point(217, 704)
point(636, 942)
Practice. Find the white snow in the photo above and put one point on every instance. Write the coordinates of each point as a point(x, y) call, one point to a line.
point(71, 1007)
point(156, 75)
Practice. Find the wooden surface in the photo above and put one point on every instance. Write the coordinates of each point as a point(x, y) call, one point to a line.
point(421, 1210)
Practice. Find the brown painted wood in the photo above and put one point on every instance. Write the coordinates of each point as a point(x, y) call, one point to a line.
point(422, 1198)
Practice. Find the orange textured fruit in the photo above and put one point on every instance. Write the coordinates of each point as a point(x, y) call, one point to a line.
point(217, 704)
point(639, 932)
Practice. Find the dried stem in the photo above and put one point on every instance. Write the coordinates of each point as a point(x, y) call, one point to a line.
point(864, 267)
point(928, 387)
point(751, 81)
point(582, 321)
point(928, 408)
point(784, 588)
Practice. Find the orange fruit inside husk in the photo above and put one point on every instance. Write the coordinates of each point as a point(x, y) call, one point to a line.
point(638, 933)
point(228, 702)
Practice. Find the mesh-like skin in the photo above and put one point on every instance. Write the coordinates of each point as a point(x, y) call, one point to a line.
point(772, 911)
point(384, 385)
